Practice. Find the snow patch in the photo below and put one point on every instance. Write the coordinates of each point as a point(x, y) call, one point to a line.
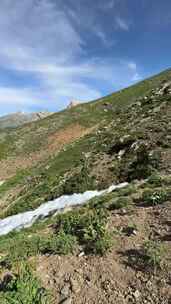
point(26, 219)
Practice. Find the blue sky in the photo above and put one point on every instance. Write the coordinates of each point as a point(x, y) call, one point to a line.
point(54, 51)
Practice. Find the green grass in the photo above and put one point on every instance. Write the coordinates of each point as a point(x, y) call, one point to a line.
point(153, 254)
point(85, 114)
point(155, 197)
point(23, 288)
point(62, 244)
point(121, 202)
point(65, 171)
point(89, 227)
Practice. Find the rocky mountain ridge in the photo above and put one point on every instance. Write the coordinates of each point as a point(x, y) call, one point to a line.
point(20, 118)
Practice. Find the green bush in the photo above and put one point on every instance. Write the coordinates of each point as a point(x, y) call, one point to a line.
point(80, 182)
point(20, 246)
point(89, 227)
point(102, 244)
point(153, 253)
point(155, 159)
point(155, 180)
point(63, 243)
point(23, 288)
point(153, 198)
point(121, 202)
point(130, 189)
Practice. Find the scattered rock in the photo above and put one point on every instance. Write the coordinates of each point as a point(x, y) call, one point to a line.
point(66, 301)
point(65, 291)
point(81, 254)
point(137, 294)
point(75, 286)
point(73, 104)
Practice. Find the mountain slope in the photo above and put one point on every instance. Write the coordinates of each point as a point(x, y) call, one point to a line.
point(115, 249)
point(23, 147)
point(44, 154)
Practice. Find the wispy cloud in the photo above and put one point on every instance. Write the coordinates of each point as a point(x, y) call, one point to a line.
point(43, 41)
point(122, 24)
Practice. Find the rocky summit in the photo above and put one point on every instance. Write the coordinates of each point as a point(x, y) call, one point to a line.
point(73, 103)
point(115, 248)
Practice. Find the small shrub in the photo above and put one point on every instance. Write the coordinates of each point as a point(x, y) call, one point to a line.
point(80, 182)
point(89, 227)
point(155, 180)
point(153, 253)
point(167, 180)
point(97, 239)
point(63, 243)
point(121, 202)
point(23, 288)
point(155, 159)
point(69, 222)
point(153, 198)
point(75, 222)
point(20, 246)
point(130, 189)
point(138, 171)
point(103, 244)
point(100, 202)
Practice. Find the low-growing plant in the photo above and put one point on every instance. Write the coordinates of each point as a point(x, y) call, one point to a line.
point(153, 253)
point(167, 180)
point(89, 227)
point(121, 202)
point(23, 288)
point(102, 244)
point(130, 189)
point(152, 198)
point(81, 181)
point(62, 243)
point(155, 180)
point(20, 246)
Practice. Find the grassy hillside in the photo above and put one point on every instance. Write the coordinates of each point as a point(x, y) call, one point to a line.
point(26, 146)
point(116, 249)
point(75, 149)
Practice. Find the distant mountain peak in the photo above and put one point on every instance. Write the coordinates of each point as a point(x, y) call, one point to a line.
point(73, 104)
point(20, 118)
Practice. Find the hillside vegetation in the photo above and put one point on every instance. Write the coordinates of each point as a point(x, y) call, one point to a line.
point(116, 249)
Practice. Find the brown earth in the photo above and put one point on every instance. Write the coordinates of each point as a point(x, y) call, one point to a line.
point(112, 279)
point(55, 143)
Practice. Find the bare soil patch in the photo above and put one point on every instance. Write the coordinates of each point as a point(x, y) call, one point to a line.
point(110, 279)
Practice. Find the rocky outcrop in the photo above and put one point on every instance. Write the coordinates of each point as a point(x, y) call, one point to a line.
point(73, 104)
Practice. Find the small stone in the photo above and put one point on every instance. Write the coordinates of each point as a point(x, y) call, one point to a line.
point(123, 211)
point(75, 286)
point(134, 232)
point(65, 291)
point(66, 301)
point(81, 254)
point(137, 294)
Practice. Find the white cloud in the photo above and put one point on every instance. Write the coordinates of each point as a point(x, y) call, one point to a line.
point(132, 66)
point(21, 97)
point(122, 24)
point(39, 40)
